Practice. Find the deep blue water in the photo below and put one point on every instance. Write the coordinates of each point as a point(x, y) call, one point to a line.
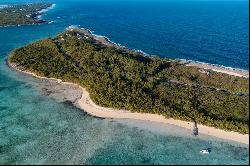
point(35, 129)
point(211, 31)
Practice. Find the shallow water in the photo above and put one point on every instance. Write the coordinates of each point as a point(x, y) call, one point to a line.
point(37, 129)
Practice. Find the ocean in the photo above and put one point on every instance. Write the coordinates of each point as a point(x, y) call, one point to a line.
point(37, 129)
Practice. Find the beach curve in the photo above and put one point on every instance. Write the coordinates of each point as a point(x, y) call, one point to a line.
point(86, 104)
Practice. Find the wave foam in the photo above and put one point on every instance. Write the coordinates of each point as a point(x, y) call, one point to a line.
point(47, 9)
point(3, 6)
point(146, 54)
point(214, 65)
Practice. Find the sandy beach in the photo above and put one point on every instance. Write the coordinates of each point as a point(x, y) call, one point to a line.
point(226, 70)
point(85, 103)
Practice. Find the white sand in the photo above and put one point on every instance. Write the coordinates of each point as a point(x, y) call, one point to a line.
point(86, 104)
point(229, 71)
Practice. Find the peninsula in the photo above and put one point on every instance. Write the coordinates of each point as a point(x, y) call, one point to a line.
point(12, 15)
point(116, 79)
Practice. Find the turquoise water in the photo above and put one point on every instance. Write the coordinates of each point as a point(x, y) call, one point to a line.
point(36, 129)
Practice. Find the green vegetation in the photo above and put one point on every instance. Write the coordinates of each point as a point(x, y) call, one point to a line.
point(22, 14)
point(124, 79)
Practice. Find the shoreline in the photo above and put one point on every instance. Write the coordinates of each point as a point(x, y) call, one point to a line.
point(40, 13)
point(38, 17)
point(3, 6)
point(200, 65)
point(219, 69)
point(86, 104)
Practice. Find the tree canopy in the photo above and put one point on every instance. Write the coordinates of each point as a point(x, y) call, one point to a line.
point(22, 14)
point(124, 79)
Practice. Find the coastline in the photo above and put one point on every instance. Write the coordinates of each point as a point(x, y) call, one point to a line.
point(200, 65)
point(3, 6)
point(220, 69)
point(52, 6)
point(86, 104)
point(37, 16)
point(39, 13)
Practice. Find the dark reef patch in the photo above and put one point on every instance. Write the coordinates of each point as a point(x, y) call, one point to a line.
point(2, 88)
point(46, 92)
point(68, 104)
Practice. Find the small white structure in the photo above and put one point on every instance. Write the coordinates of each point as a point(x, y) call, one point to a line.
point(205, 151)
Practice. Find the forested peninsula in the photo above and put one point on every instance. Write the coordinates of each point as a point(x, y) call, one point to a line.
point(121, 78)
point(11, 15)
